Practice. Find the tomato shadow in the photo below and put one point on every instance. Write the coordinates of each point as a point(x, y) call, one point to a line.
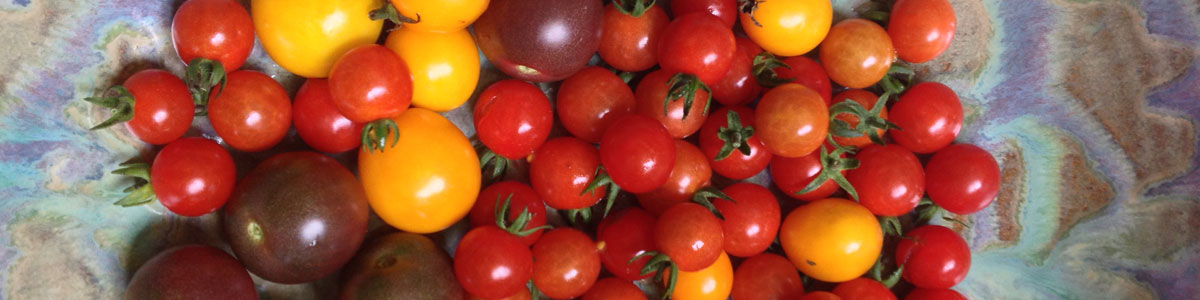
point(171, 231)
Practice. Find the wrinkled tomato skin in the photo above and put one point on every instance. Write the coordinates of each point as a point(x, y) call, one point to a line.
point(318, 121)
point(890, 180)
point(589, 101)
point(691, 172)
point(751, 220)
point(736, 166)
point(698, 44)
point(934, 257)
point(863, 288)
point(690, 235)
point(193, 176)
point(513, 118)
point(921, 29)
point(220, 30)
point(191, 272)
point(653, 90)
point(793, 174)
point(491, 263)
point(929, 115)
point(522, 198)
point(163, 107)
point(252, 113)
point(766, 276)
point(400, 265)
point(638, 153)
point(630, 43)
point(540, 41)
point(623, 235)
point(962, 178)
point(856, 53)
point(560, 171)
point(565, 263)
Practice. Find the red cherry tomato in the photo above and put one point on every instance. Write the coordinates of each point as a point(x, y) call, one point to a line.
point(934, 294)
point(793, 174)
point(613, 289)
point(523, 199)
point(622, 236)
point(513, 118)
point(252, 113)
point(867, 100)
point(792, 120)
point(751, 221)
point(637, 153)
point(370, 82)
point(318, 121)
point(889, 180)
point(590, 100)
point(690, 235)
point(491, 263)
point(820, 295)
point(691, 172)
point(726, 10)
point(653, 90)
point(192, 176)
point(739, 85)
point(560, 171)
point(699, 44)
point(630, 43)
point(929, 115)
point(809, 73)
point(220, 30)
point(934, 257)
point(736, 166)
point(565, 263)
point(767, 276)
point(921, 29)
point(748, 47)
point(162, 106)
point(962, 178)
point(856, 53)
point(863, 289)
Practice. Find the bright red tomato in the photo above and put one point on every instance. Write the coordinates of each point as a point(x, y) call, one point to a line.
point(699, 44)
point(962, 178)
point(560, 171)
point(638, 153)
point(751, 221)
point(889, 180)
point(739, 85)
point(318, 121)
point(220, 30)
point(652, 90)
point(192, 176)
point(523, 198)
point(820, 295)
point(857, 53)
point(690, 235)
point(867, 100)
point(630, 43)
point(748, 47)
point(691, 172)
point(794, 174)
point(929, 115)
point(726, 10)
point(252, 113)
point(614, 288)
point(921, 29)
point(767, 276)
point(589, 101)
point(863, 288)
point(491, 263)
point(792, 120)
point(622, 236)
point(736, 166)
point(513, 118)
point(160, 104)
point(934, 294)
point(934, 257)
point(369, 83)
point(809, 73)
point(565, 263)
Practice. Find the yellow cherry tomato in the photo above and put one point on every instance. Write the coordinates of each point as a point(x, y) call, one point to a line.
point(789, 27)
point(428, 180)
point(713, 282)
point(307, 36)
point(444, 66)
point(832, 240)
point(440, 15)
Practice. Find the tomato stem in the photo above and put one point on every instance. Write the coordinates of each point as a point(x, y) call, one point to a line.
point(140, 192)
point(375, 135)
point(201, 76)
point(601, 178)
point(891, 226)
point(517, 227)
point(499, 163)
point(633, 8)
point(121, 105)
point(764, 70)
point(659, 262)
point(870, 121)
point(734, 136)
point(748, 7)
point(684, 86)
point(832, 166)
point(389, 12)
point(704, 197)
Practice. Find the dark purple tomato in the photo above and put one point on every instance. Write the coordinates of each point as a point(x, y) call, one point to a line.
point(191, 272)
point(401, 265)
point(540, 40)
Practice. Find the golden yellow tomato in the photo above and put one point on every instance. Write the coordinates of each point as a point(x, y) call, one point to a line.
point(713, 282)
point(440, 15)
point(789, 27)
point(428, 180)
point(444, 66)
point(307, 36)
point(832, 240)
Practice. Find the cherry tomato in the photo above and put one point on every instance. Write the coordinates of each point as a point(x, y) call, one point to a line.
point(220, 30)
point(491, 263)
point(560, 171)
point(523, 198)
point(638, 153)
point(962, 178)
point(929, 115)
point(444, 66)
point(191, 272)
point(520, 295)
point(614, 288)
point(192, 176)
point(766, 276)
point(788, 27)
point(736, 166)
point(401, 265)
point(622, 236)
point(726, 10)
point(832, 239)
point(307, 36)
point(653, 90)
point(792, 120)
point(934, 257)
point(513, 118)
point(690, 235)
point(867, 100)
point(698, 44)
point(691, 172)
point(738, 86)
point(370, 83)
point(863, 288)
point(252, 113)
point(713, 282)
point(747, 47)
point(809, 73)
point(793, 174)
point(889, 180)
point(751, 221)
point(934, 294)
point(630, 43)
point(857, 53)
point(440, 16)
point(318, 121)
point(540, 41)
point(820, 295)
point(921, 29)
point(162, 106)
point(565, 263)
point(589, 101)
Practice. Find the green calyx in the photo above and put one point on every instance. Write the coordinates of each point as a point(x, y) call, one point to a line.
point(764, 70)
point(601, 178)
point(704, 197)
point(892, 83)
point(735, 135)
point(201, 76)
point(499, 163)
point(659, 262)
point(121, 104)
point(832, 166)
point(891, 226)
point(140, 192)
point(684, 86)
point(869, 121)
point(376, 134)
point(748, 7)
point(389, 12)
point(892, 279)
point(633, 8)
point(518, 224)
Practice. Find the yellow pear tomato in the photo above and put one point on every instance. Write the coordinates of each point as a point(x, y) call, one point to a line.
point(440, 15)
point(444, 66)
point(711, 283)
point(832, 240)
point(788, 27)
point(306, 37)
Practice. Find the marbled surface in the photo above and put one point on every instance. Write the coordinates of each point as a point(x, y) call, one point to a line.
point(1089, 106)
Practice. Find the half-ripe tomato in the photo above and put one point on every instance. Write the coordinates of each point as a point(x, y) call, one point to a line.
point(691, 172)
point(857, 53)
point(863, 288)
point(622, 236)
point(690, 235)
point(767, 276)
point(809, 73)
point(630, 43)
point(934, 257)
point(252, 113)
point(934, 294)
point(793, 174)
point(792, 120)
point(681, 121)
point(318, 121)
point(889, 179)
point(865, 98)
point(444, 66)
point(726, 10)
point(751, 220)
point(614, 288)
point(492, 263)
point(565, 263)
point(306, 37)
point(962, 178)
point(921, 29)
point(713, 282)
point(738, 86)
point(370, 83)
point(736, 165)
point(589, 101)
point(820, 295)
point(832, 240)
point(561, 170)
point(698, 44)
point(160, 104)
point(427, 180)
point(521, 198)
point(513, 118)
point(440, 16)
point(220, 30)
point(192, 176)
point(788, 27)
point(929, 115)
point(638, 153)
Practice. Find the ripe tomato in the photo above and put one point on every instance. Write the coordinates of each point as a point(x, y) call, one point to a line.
point(428, 180)
point(921, 29)
point(370, 83)
point(401, 265)
point(934, 257)
point(638, 153)
point(739, 85)
point(614, 288)
point(751, 221)
point(520, 295)
point(820, 295)
point(691, 172)
point(832, 239)
point(962, 178)
point(792, 120)
point(521, 197)
point(491, 263)
point(630, 43)
point(565, 263)
point(889, 180)
point(220, 30)
point(863, 288)
point(697, 44)
point(809, 73)
point(748, 47)
point(252, 113)
point(726, 10)
point(690, 235)
point(766, 276)
point(589, 101)
point(622, 236)
point(192, 176)
point(934, 294)
point(788, 27)
point(867, 100)
point(652, 90)
point(444, 66)
point(513, 118)
point(307, 36)
point(736, 165)
point(713, 282)
point(560, 171)
point(160, 104)
point(929, 115)
point(540, 41)
point(857, 53)
point(793, 174)
point(191, 272)
point(440, 16)
point(318, 121)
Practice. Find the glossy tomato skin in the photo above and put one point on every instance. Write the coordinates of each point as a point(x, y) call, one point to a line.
point(726, 10)
point(930, 115)
point(440, 16)
point(962, 178)
point(297, 217)
point(520, 295)
point(630, 43)
point(857, 53)
point(193, 176)
point(793, 174)
point(565, 263)
point(252, 113)
point(191, 272)
point(809, 73)
point(863, 288)
point(934, 257)
point(820, 295)
point(523, 198)
point(652, 90)
point(444, 66)
point(921, 29)
point(560, 171)
point(747, 47)
point(766, 276)
point(713, 282)
point(691, 172)
point(751, 221)
point(865, 98)
point(428, 180)
point(369, 83)
point(298, 36)
point(817, 238)
point(690, 235)
point(889, 179)
point(736, 166)
point(792, 120)
point(738, 86)
point(163, 107)
point(589, 101)
point(220, 30)
point(624, 235)
point(513, 118)
point(400, 265)
point(934, 294)
point(698, 44)
point(491, 263)
point(318, 121)
point(789, 27)
point(638, 153)
point(539, 40)
point(614, 288)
